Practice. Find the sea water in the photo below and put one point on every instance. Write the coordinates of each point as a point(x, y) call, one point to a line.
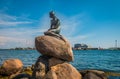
point(106, 60)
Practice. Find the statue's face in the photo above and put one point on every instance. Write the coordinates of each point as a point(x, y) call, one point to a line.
point(51, 16)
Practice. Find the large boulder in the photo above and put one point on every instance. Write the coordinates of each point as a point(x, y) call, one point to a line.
point(11, 66)
point(52, 46)
point(93, 74)
point(63, 71)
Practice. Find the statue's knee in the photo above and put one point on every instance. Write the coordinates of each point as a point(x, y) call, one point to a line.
point(48, 33)
point(45, 33)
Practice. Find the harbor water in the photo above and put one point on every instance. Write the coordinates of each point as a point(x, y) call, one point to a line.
point(106, 60)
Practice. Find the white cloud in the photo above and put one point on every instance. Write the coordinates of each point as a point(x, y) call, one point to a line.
point(9, 20)
point(44, 23)
point(5, 23)
point(6, 17)
point(70, 24)
point(79, 38)
point(16, 42)
point(6, 39)
point(16, 37)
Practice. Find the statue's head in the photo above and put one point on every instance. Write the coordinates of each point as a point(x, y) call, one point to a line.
point(52, 14)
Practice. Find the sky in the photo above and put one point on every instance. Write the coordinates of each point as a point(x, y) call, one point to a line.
point(92, 22)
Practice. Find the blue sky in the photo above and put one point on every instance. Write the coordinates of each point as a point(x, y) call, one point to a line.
point(93, 22)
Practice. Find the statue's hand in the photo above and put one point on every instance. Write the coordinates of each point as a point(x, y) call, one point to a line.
point(49, 29)
point(53, 27)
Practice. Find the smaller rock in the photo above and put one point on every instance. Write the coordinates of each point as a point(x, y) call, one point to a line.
point(41, 67)
point(54, 61)
point(51, 75)
point(93, 74)
point(11, 66)
point(63, 71)
point(43, 64)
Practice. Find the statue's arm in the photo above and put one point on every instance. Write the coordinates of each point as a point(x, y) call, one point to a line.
point(55, 25)
point(58, 23)
point(51, 26)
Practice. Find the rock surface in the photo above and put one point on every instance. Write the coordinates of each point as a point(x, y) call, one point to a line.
point(93, 74)
point(63, 71)
point(54, 61)
point(50, 75)
point(11, 66)
point(52, 46)
point(42, 66)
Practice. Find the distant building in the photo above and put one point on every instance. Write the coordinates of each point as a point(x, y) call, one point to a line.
point(80, 46)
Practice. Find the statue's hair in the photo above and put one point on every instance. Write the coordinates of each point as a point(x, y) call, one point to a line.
point(52, 13)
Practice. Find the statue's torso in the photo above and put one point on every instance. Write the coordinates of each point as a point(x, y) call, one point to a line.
point(55, 24)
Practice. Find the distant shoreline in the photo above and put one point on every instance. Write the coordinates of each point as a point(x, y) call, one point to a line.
point(17, 49)
point(20, 48)
point(72, 49)
point(96, 49)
